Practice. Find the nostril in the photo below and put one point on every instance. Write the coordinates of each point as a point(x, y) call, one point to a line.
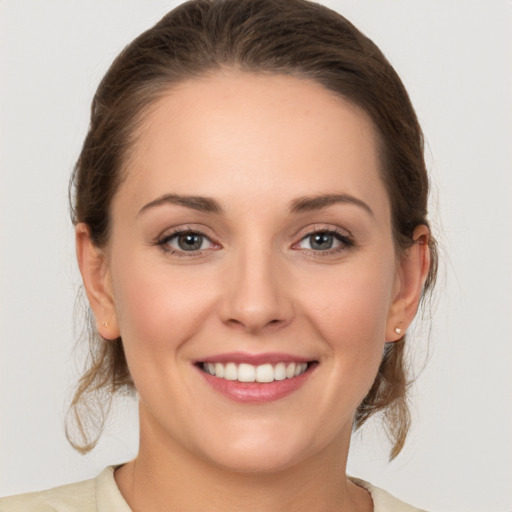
point(253, 323)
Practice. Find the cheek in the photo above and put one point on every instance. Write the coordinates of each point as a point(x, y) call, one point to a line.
point(158, 308)
point(349, 309)
point(351, 303)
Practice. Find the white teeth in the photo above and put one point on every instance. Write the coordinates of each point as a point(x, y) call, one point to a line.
point(230, 372)
point(300, 368)
point(280, 371)
point(219, 370)
point(265, 373)
point(245, 372)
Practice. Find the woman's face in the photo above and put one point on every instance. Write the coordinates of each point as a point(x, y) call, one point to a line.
point(251, 238)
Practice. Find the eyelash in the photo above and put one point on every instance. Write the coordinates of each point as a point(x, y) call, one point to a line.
point(164, 241)
point(345, 241)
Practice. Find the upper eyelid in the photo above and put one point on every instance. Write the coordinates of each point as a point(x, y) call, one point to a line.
point(188, 228)
point(325, 228)
point(170, 236)
point(163, 243)
point(297, 237)
point(343, 239)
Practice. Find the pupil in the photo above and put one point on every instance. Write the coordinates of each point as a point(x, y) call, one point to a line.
point(321, 241)
point(190, 241)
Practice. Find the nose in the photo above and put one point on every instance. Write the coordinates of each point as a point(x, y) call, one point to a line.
point(257, 296)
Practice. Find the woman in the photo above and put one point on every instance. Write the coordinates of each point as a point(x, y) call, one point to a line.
point(250, 207)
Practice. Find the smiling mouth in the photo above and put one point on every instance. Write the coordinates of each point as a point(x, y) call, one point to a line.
point(263, 373)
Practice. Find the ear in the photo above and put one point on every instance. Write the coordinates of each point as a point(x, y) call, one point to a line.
point(411, 275)
point(93, 264)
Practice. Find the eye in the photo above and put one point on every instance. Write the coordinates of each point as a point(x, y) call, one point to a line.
point(186, 241)
point(324, 241)
point(318, 241)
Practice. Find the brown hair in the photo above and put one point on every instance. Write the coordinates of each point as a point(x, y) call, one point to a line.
point(294, 37)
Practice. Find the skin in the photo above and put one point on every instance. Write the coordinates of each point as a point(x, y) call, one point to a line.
point(255, 144)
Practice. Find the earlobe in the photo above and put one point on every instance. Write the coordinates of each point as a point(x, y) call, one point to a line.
point(93, 265)
point(412, 272)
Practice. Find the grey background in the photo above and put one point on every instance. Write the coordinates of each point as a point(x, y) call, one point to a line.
point(455, 57)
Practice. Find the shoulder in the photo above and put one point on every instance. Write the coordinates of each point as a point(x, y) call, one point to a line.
point(100, 494)
point(383, 501)
point(73, 497)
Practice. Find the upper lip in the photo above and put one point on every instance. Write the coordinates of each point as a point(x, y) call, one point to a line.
point(255, 359)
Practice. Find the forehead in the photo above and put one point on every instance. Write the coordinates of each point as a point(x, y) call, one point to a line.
point(235, 132)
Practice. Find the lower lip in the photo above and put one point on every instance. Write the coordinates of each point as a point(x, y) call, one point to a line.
point(256, 392)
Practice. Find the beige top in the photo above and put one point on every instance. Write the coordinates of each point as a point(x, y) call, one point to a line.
point(101, 494)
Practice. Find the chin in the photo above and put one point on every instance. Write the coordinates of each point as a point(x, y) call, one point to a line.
point(263, 450)
point(257, 459)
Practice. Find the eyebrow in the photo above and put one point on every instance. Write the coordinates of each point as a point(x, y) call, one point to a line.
point(299, 205)
point(310, 203)
point(199, 203)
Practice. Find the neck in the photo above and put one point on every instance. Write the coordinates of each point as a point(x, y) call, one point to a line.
point(166, 476)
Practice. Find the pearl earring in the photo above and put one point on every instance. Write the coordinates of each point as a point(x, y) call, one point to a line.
point(398, 330)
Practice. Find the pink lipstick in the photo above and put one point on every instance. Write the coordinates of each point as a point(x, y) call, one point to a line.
point(255, 378)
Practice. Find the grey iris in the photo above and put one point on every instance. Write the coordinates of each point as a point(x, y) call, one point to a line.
point(321, 241)
point(190, 241)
